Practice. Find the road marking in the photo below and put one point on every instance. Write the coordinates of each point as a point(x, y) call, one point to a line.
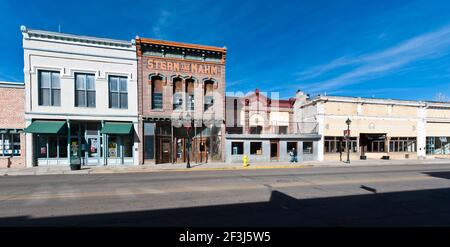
point(39, 197)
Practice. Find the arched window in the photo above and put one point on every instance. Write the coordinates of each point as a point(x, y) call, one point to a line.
point(157, 92)
point(190, 83)
point(208, 94)
point(177, 93)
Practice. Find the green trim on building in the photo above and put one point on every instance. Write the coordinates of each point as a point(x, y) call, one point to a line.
point(46, 127)
point(117, 128)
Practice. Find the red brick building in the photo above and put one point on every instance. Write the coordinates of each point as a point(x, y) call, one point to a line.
point(12, 122)
point(181, 101)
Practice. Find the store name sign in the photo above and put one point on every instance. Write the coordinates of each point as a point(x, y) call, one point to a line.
point(183, 67)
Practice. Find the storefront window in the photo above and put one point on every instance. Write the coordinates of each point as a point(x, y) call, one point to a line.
point(149, 140)
point(127, 146)
point(63, 147)
point(42, 146)
point(336, 144)
point(438, 145)
point(113, 147)
point(307, 147)
point(256, 148)
point(402, 144)
point(237, 148)
point(9, 143)
point(52, 147)
point(290, 146)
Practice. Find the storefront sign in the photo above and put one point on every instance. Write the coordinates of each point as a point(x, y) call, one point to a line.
point(183, 67)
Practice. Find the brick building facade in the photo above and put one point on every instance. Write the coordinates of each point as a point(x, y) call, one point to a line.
point(12, 122)
point(181, 101)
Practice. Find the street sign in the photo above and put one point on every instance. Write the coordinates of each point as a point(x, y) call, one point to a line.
point(346, 132)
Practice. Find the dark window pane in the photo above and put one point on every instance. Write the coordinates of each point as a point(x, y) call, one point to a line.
point(44, 79)
point(90, 82)
point(123, 84)
point(91, 98)
point(128, 146)
point(237, 148)
point(80, 98)
point(157, 101)
point(113, 84)
point(307, 147)
point(256, 148)
point(80, 82)
point(55, 80)
point(124, 100)
point(149, 147)
point(56, 97)
point(114, 100)
point(52, 146)
point(63, 147)
point(291, 145)
point(42, 146)
point(44, 97)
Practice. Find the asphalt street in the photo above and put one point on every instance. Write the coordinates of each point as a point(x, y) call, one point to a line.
point(400, 195)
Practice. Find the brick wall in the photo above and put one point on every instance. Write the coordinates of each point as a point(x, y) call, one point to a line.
point(12, 116)
point(12, 111)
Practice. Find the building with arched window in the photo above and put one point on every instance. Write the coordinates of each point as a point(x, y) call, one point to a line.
point(181, 101)
point(265, 130)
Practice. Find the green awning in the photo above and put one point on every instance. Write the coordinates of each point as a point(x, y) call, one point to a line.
point(46, 127)
point(117, 128)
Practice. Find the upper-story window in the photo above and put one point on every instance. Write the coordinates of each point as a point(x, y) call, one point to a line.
point(49, 88)
point(118, 92)
point(190, 84)
point(157, 92)
point(208, 94)
point(84, 90)
point(177, 94)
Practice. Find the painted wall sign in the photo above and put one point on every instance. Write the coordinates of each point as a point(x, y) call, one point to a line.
point(184, 67)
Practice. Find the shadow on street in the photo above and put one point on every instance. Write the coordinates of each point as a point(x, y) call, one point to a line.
point(410, 208)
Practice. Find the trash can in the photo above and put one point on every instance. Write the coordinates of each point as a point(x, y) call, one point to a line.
point(75, 163)
point(406, 156)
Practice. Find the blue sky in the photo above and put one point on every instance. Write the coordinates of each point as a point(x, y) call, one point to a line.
point(394, 49)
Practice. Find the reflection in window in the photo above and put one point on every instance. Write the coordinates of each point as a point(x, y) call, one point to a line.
point(157, 92)
point(208, 94)
point(177, 94)
point(49, 88)
point(307, 147)
point(118, 92)
point(256, 148)
point(237, 148)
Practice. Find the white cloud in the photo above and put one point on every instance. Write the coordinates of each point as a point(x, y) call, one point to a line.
point(372, 65)
point(160, 24)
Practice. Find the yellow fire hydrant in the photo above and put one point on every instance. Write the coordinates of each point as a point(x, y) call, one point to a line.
point(245, 159)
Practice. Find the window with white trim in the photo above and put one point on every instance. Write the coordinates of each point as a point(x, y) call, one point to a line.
point(49, 88)
point(84, 90)
point(9, 144)
point(118, 92)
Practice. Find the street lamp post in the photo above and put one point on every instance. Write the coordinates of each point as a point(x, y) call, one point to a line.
point(188, 127)
point(348, 122)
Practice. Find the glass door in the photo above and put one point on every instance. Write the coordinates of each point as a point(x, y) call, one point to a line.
point(93, 152)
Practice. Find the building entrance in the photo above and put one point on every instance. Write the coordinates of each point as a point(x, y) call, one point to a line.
point(373, 143)
point(274, 154)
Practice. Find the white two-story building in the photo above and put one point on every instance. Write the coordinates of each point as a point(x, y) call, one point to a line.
point(80, 99)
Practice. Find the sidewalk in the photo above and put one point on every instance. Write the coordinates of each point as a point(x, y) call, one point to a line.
point(54, 170)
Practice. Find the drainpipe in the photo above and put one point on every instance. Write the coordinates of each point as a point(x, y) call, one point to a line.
point(69, 153)
point(105, 146)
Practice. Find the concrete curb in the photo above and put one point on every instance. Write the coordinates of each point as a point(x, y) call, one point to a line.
point(122, 170)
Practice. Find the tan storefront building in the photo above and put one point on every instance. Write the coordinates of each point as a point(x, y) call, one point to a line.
point(399, 129)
